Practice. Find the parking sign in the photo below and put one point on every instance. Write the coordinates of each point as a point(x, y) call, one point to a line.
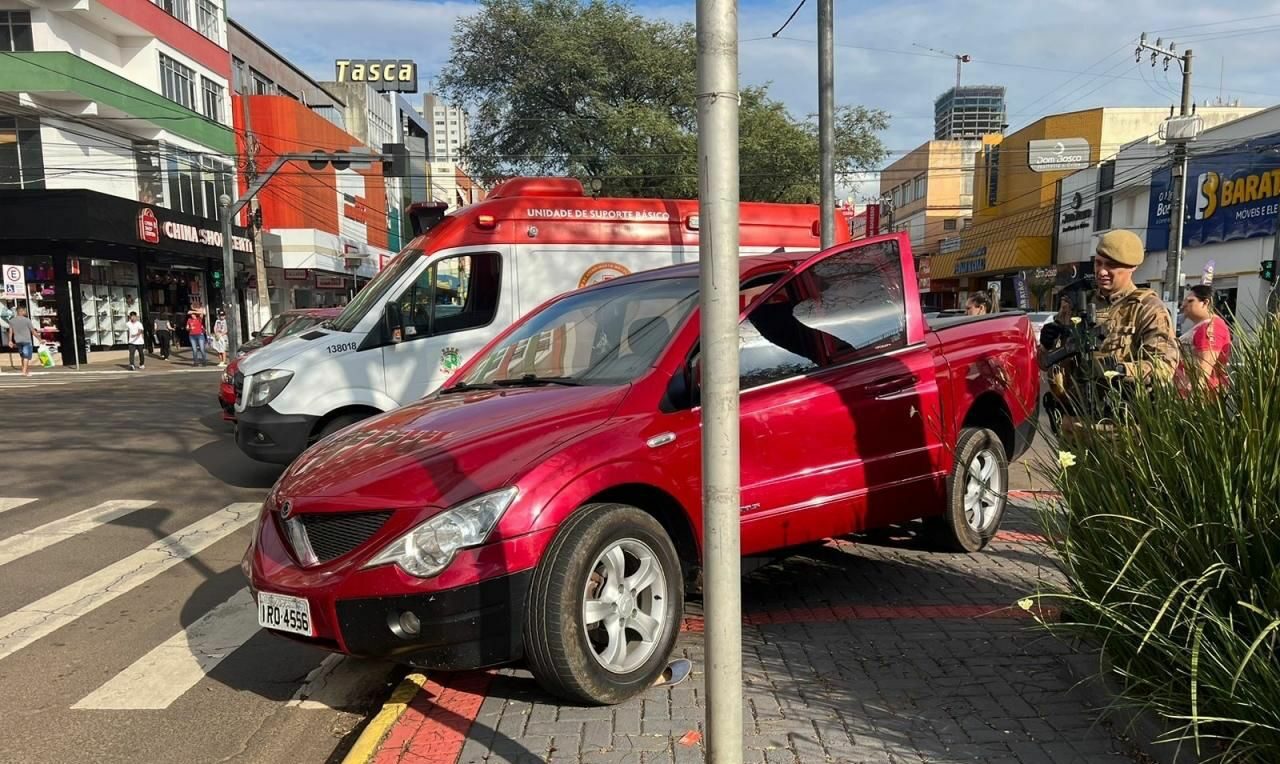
point(15, 282)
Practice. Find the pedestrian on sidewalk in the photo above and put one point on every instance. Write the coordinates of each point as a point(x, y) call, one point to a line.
point(164, 335)
point(22, 338)
point(1206, 346)
point(137, 336)
point(220, 337)
point(195, 330)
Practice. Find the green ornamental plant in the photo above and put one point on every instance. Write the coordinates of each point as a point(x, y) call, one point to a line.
point(1168, 535)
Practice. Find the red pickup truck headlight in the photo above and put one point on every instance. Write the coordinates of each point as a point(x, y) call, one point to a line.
point(429, 548)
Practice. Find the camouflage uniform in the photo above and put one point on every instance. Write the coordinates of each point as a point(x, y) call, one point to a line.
point(1139, 336)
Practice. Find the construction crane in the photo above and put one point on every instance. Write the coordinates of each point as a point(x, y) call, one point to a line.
point(961, 59)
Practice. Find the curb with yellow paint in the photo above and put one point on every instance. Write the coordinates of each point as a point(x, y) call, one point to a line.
point(366, 746)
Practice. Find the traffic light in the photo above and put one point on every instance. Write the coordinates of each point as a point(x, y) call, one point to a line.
point(217, 279)
point(1268, 271)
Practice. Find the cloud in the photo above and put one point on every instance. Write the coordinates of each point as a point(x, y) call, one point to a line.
point(1032, 48)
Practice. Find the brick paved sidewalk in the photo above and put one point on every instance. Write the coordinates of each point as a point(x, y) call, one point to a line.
point(865, 650)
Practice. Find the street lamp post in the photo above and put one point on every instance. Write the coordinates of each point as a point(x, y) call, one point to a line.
point(229, 279)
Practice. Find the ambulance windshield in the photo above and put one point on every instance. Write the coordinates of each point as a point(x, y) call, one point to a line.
point(607, 335)
point(373, 293)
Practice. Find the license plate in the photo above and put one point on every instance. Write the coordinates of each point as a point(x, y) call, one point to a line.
point(284, 613)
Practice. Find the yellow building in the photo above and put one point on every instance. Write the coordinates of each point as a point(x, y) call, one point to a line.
point(1013, 205)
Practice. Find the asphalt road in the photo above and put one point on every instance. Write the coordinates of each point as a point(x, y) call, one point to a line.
point(126, 634)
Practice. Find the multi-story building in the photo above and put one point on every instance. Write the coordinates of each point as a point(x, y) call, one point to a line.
point(449, 125)
point(447, 173)
point(1231, 207)
point(378, 119)
point(257, 69)
point(930, 192)
point(324, 231)
point(115, 148)
point(1014, 211)
point(970, 112)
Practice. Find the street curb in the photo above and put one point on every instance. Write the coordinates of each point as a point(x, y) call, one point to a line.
point(368, 744)
point(1085, 669)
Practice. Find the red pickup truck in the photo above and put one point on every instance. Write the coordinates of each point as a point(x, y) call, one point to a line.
point(544, 504)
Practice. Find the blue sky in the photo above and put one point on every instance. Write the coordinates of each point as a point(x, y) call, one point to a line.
point(1036, 48)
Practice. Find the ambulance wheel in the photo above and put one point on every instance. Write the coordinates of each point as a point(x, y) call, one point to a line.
point(341, 422)
point(976, 493)
point(604, 607)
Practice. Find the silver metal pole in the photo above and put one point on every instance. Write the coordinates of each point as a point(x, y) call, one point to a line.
point(229, 282)
point(718, 196)
point(75, 341)
point(826, 119)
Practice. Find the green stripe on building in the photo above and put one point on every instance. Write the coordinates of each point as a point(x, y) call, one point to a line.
point(57, 72)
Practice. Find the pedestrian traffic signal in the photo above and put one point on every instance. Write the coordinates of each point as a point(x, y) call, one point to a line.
point(217, 279)
point(1268, 271)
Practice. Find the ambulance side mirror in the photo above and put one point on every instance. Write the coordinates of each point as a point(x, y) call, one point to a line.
point(392, 324)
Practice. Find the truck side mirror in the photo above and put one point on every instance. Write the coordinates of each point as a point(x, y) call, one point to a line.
point(392, 325)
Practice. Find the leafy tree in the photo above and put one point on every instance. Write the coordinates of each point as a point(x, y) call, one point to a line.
point(592, 89)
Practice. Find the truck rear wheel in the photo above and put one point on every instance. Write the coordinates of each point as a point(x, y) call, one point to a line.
point(976, 493)
point(604, 606)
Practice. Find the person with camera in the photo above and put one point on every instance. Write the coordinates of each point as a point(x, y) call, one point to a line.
point(1125, 340)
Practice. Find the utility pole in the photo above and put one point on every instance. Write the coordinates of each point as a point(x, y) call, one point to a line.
point(826, 119)
point(718, 195)
point(1179, 132)
point(259, 256)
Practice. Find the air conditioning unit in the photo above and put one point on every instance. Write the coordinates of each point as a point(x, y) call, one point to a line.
point(1181, 129)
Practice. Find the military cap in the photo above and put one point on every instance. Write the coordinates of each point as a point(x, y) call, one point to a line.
point(1122, 246)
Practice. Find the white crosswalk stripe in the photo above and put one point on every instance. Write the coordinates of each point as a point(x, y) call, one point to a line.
point(46, 535)
point(48, 614)
point(7, 504)
point(167, 671)
point(162, 676)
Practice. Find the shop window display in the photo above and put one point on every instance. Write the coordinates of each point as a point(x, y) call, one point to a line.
point(42, 306)
point(108, 293)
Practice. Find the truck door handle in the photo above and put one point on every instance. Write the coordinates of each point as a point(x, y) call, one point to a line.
point(886, 386)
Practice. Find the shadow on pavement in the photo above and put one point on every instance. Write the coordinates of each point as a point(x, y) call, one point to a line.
point(223, 460)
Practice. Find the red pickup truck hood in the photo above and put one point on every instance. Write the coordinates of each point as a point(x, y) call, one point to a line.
point(443, 450)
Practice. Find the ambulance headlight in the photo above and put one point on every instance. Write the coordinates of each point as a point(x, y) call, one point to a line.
point(267, 385)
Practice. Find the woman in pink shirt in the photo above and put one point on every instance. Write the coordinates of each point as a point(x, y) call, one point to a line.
point(1207, 344)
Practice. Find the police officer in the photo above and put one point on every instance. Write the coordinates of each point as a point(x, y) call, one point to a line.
point(1138, 341)
point(1137, 345)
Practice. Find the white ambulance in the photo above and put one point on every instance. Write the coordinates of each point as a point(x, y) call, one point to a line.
point(464, 279)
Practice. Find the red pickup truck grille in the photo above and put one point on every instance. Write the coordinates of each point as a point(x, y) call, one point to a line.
point(333, 535)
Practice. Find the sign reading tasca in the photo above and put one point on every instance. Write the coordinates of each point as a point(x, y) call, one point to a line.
point(381, 75)
point(1231, 194)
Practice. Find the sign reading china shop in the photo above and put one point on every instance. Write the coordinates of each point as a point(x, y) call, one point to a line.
point(148, 226)
point(154, 231)
point(1231, 194)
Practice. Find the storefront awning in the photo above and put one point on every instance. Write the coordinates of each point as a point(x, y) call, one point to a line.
point(998, 257)
point(57, 217)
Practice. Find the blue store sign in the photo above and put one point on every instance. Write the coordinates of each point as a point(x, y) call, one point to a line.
point(974, 262)
point(1231, 194)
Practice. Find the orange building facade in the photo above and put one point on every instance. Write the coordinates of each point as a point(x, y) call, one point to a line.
point(323, 231)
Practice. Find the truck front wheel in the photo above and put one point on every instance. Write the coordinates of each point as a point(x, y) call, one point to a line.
point(605, 606)
point(976, 492)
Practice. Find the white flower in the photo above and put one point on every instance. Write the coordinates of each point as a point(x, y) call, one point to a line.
point(1110, 374)
point(1076, 319)
point(1025, 603)
point(1066, 459)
